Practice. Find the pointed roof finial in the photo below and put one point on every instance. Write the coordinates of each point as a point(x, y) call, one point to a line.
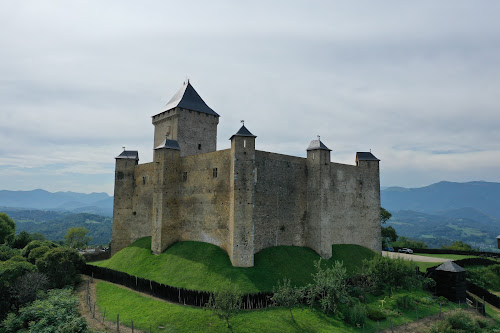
point(243, 122)
point(319, 138)
point(123, 148)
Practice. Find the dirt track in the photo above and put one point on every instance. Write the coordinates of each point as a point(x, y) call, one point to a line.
point(412, 257)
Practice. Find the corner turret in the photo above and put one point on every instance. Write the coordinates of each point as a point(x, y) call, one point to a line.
point(242, 178)
point(165, 202)
point(123, 196)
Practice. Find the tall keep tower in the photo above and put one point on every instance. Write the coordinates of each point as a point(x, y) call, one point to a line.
point(188, 120)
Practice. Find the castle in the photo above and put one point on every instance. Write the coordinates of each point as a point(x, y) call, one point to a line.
point(240, 199)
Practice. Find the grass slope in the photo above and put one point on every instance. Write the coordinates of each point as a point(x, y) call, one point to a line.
point(202, 266)
point(177, 318)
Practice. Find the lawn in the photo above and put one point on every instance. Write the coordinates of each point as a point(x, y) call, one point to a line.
point(177, 318)
point(203, 266)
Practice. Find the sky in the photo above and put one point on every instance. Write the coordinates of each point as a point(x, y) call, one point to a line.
point(417, 83)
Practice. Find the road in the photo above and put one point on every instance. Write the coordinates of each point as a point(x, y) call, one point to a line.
point(412, 257)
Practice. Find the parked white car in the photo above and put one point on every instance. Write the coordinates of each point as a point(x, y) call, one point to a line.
point(405, 250)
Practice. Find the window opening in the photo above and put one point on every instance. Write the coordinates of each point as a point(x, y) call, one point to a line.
point(214, 173)
point(244, 143)
point(143, 180)
point(199, 146)
point(184, 176)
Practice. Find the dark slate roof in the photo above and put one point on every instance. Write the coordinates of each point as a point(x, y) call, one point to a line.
point(450, 266)
point(243, 132)
point(129, 154)
point(365, 156)
point(317, 144)
point(188, 98)
point(498, 237)
point(169, 144)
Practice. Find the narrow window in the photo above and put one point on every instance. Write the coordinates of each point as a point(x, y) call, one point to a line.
point(214, 172)
point(244, 143)
point(313, 156)
point(199, 146)
point(143, 180)
point(184, 176)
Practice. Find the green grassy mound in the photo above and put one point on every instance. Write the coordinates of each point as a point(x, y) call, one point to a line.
point(203, 266)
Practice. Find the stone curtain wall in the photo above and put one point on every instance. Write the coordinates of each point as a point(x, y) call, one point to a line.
point(354, 205)
point(280, 200)
point(204, 199)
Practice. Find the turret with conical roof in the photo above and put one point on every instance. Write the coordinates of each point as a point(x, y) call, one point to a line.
point(188, 120)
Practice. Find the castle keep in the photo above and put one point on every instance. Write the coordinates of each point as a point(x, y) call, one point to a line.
point(240, 199)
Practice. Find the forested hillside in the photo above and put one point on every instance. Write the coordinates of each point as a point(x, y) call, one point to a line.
point(54, 225)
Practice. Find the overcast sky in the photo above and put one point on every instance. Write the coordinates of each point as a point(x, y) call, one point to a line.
point(416, 82)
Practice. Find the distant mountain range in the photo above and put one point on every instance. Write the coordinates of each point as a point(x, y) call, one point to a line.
point(444, 212)
point(438, 214)
point(94, 203)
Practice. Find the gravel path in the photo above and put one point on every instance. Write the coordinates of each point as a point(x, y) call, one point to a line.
point(412, 257)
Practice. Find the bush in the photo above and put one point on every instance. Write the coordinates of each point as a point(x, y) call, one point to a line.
point(62, 266)
point(56, 312)
point(37, 253)
point(37, 243)
point(7, 252)
point(354, 314)
point(329, 288)
point(461, 320)
point(375, 314)
point(387, 272)
point(406, 302)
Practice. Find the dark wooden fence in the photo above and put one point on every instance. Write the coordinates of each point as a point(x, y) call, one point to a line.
point(170, 293)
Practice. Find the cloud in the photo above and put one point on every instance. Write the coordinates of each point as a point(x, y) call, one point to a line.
point(415, 83)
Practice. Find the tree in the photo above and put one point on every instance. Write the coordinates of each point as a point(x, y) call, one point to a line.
point(62, 266)
point(26, 287)
point(389, 233)
point(460, 246)
point(77, 237)
point(287, 296)
point(411, 243)
point(21, 240)
point(225, 303)
point(37, 243)
point(7, 228)
point(384, 215)
point(329, 287)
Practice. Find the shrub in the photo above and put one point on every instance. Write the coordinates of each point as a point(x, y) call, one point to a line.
point(7, 252)
point(397, 273)
point(354, 314)
point(329, 287)
point(62, 266)
point(406, 302)
point(37, 243)
point(287, 296)
point(56, 312)
point(37, 253)
point(461, 320)
point(375, 314)
point(441, 300)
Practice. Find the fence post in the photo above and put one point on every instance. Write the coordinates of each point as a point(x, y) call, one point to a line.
point(484, 308)
point(104, 316)
point(132, 326)
point(118, 322)
point(378, 322)
point(392, 330)
point(93, 314)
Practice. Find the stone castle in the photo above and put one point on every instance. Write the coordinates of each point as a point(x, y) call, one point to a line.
point(240, 199)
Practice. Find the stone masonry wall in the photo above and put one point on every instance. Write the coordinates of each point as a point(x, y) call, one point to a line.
point(280, 200)
point(132, 203)
point(204, 199)
point(354, 205)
